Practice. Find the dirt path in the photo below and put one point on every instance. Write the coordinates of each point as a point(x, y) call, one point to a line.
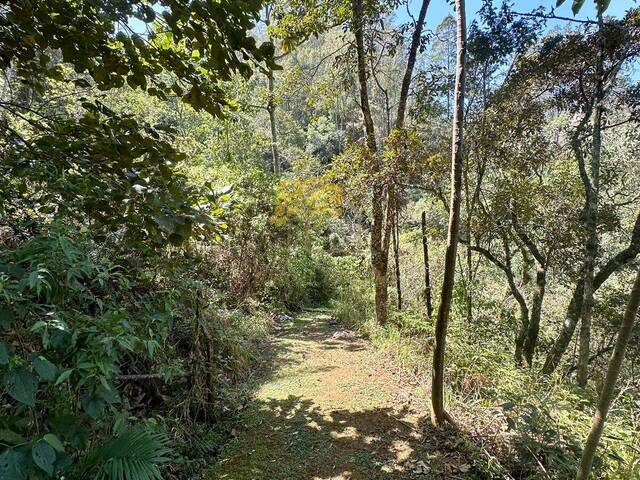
point(332, 409)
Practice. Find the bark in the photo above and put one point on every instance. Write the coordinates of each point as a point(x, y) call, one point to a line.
point(468, 282)
point(271, 108)
point(533, 329)
point(608, 390)
point(592, 191)
point(275, 155)
point(379, 253)
point(438, 414)
point(427, 275)
point(396, 254)
point(411, 61)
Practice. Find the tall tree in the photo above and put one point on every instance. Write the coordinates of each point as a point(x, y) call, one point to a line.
point(438, 413)
point(384, 190)
point(271, 104)
point(591, 182)
point(608, 390)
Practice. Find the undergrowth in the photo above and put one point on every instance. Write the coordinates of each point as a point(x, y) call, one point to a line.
point(523, 424)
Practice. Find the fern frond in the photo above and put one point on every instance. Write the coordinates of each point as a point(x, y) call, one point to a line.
point(135, 454)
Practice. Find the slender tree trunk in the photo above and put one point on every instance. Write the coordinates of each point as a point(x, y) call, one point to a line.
point(271, 108)
point(522, 334)
point(427, 275)
point(379, 244)
point(400, 118)
point(533, 330)
point(469, 280)
point(592, 189)
point(438, 413)
point(411, 61)
point(608, 390)
point(396, 253)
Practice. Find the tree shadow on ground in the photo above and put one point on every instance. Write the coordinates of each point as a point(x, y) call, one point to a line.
point(293, 439)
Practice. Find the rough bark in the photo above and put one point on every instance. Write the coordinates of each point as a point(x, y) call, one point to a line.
point(427, 275)
point(379, 255)
point(531, 340)
point(608, 390)
point(438, 414)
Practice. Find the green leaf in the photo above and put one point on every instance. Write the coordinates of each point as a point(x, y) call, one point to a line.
point(12, 465)
point(577, 5)
point(93, 405)
point(47, 370)
point(6, 318)
point(44, 456)
point(64, 376)
point(5, 353)
point(54, 441)
point(22, 385)
point(11, 437)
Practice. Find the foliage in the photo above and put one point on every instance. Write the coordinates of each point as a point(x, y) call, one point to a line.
point(306, 204)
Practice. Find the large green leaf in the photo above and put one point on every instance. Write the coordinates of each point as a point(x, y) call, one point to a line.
point(54, 441)
point(44, 456)
point(47, 370)
point(4, 353)
point(22, 385)
point(12, 465)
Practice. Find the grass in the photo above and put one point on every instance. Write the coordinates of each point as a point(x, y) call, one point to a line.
point(331, 408)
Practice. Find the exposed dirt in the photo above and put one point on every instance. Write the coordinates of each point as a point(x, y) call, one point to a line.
point(331, 408)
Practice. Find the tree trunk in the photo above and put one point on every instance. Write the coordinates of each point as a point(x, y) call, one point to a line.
point(427, 276)
point(396, 253)
point(533, 330)
point(271, 107)
point(275, 156)
point(618, 261)
point(608, 390)
point(621, 259)
point(379, 255)
point(438, 414)
point(411, 61)
point(592, 191)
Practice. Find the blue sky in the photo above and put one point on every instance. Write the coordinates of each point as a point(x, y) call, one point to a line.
point(438, 9)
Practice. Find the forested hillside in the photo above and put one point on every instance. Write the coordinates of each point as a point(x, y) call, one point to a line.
point(302, 240)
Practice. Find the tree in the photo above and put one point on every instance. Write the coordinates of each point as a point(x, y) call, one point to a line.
point(438, 413)
point(591, 181)
point(384, 195)
point(597, 85)
point(608, 389)
point(88, 156)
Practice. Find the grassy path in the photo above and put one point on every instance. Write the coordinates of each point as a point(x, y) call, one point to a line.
point(330, 408)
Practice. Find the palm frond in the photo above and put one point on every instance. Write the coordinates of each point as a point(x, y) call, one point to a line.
point(135, 454)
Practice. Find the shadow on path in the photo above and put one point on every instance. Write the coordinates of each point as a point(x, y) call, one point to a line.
point(328, 409)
